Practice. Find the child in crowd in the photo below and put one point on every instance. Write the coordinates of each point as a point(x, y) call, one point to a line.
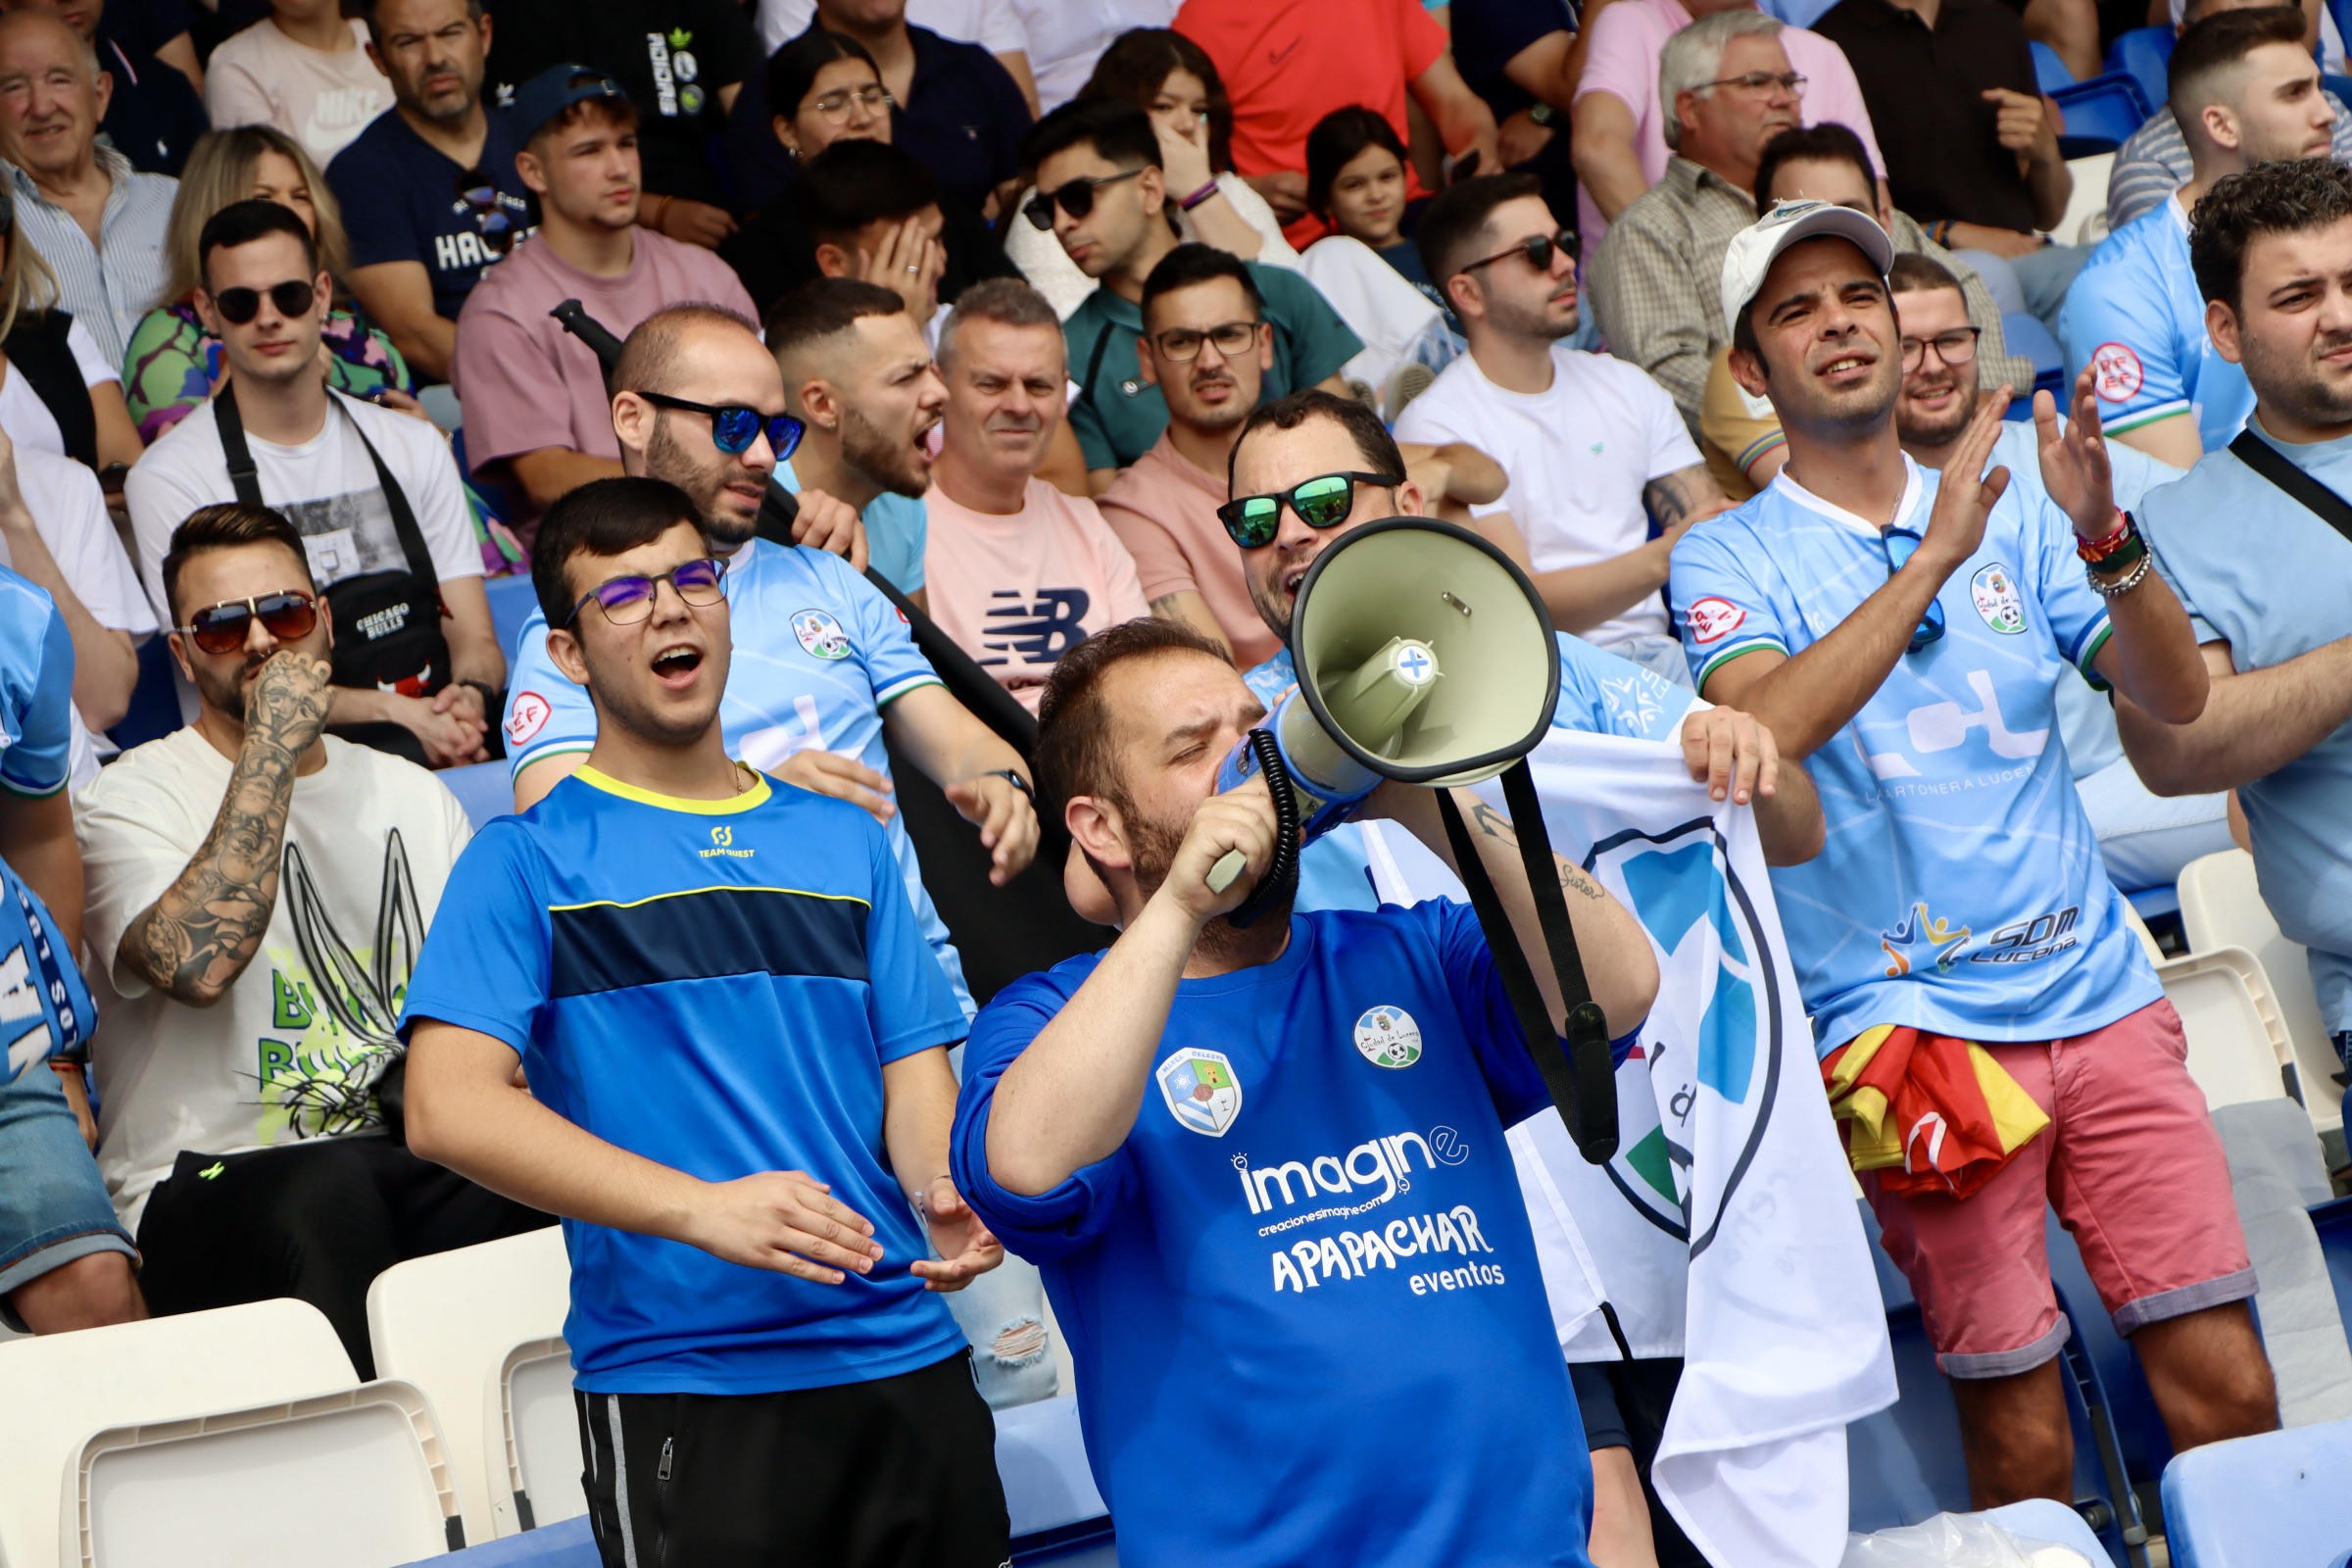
point(1356, 179)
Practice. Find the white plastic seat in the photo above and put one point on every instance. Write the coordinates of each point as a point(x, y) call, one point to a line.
point(2221, 905)
point(2237, 1045)
point(56, 1390)
point(355, 1478)
point(481, 1329)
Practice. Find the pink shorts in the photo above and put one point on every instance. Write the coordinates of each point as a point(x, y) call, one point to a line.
point(2133, 1165)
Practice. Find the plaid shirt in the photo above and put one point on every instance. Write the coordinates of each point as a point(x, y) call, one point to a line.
point(1657, 284)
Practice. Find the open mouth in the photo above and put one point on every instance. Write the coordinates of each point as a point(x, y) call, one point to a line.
point(675, 666)
point(1846, 367)
point(1292, 579)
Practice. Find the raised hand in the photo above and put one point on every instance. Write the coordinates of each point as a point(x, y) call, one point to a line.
point(1964, 500)
point(1242, 818)
point(288, 705)
point(2074, 467)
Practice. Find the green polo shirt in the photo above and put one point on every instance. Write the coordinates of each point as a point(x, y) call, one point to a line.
point(1117, 416)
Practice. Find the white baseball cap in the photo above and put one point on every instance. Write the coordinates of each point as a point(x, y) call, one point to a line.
point(1754, 248)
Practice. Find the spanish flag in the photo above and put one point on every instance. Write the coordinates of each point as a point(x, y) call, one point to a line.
point(1929, 1113)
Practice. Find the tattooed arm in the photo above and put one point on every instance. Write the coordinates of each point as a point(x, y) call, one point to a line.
point(1580, 598)
point(194, 940)
point(1187, 606)
point(1619, 966)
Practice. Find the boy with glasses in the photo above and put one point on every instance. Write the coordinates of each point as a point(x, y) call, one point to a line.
point(1965, 960)
point(1595, 449)
point(1101, 191)
point(258, 889)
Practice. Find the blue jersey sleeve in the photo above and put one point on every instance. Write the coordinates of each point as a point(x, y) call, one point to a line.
point(881, 639)
point(898, 531)
point(547, 715)
point(1051, 1224)
point(2077, 616)
point(485, 962)
point(40, 700)
point(1719, 607)
point(2119, 319)
point(907, 999)
point(1602, 693)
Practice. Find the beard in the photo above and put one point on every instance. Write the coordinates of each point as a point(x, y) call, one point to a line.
point(1930, 431)
point(1216, 420)
point(222, 690)
point(886, 460)
point(2294, 382)
point(1155, 843)
point(1515, 320)
point(705, 483)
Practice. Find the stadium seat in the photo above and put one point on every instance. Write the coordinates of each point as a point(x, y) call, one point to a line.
point(2049, 72)
point(352, 1479)
point(153, 710)
point(2141, 1439)
point(2278, 1500)
point(460, 1325)
point(2041, 1519)
point(56, 1390)
point(2221, 905)
point(2237, 1045)
point(2143, 54)
point(2149, 903)
point(2100, 114)
point(485, 789)
point(510, 605)
point(2027, 337)
point(1041, 1456)
point(570, 1545)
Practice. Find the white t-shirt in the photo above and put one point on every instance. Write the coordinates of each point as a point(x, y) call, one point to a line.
point(369, 845)
point(1577, 456)
point(325, 486)
point(262, 77)
point(27, 419)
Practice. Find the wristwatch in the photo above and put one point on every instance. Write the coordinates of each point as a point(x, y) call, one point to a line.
point(1541, 115)
point(1015, 780)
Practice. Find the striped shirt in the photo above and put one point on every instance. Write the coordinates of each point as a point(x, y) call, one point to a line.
point(2154, 163)
point(108, 287)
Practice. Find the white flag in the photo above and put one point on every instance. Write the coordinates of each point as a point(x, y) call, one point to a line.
point(1725, 1230)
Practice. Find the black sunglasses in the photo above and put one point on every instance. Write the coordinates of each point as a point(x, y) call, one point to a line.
point(496, 230)
point(1899, 544)
point(237, 305)
point(1538, 252)
point(221, 628)
point(1323, 502)
point(625, 600)
point(734, 427)
point(1076, 198)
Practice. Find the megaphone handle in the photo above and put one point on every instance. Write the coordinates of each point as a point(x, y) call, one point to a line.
point(1282, 873)
point(1228, 866)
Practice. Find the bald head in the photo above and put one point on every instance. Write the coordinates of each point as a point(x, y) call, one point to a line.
point(42, 30)
point(658, 353)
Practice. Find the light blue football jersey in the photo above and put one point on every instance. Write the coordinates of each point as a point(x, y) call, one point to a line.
point(2134, 312)
point(1960, 889)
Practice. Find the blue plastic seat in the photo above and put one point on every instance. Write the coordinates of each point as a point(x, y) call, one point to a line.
point(512, 602)
point(2146, 55)
point(2278, 1500)
point(2049, 72)
point(485, 789)
point(2026, 335)
point(153, 710)
point(2100, 114)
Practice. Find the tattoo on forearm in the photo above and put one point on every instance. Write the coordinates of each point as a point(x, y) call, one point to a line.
point(1671, 497)
point(1492, 823)
point(1573, 880)
point(1166, 607)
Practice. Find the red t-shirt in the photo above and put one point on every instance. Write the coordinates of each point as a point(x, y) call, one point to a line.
point(1289, 62)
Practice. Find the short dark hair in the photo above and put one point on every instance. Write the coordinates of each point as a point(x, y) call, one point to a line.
point(1826, 143)
point(792, 69)
point(1189, 263)
point(368, 10)
point(2211, 45)
point(1139, 63)
point(858, 182)
point(1334, 142)
point(1373, 443)
point(1073, 753)
point(823, 306)
point(243, 223)
point(228, 525)
point(1916, 273)
point(1452, 224)
point(1118, 132)
point(2289, 197)
point(602, 517)
point(611, 108)
point(649, 357)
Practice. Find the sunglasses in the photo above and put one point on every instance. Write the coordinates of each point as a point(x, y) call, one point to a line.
point(1076, 198)
point(479, 191)
point(734, 427)
point(626, 601)
point(1900, 544)
point(1538, 252)
point(1180, 345)
point(223, 628)
point(293, 299)
point(1323, 502)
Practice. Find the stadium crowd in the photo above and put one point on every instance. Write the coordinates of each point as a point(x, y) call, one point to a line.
point(1075, 330)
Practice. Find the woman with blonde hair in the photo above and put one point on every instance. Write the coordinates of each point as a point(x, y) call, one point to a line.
point(58, 393)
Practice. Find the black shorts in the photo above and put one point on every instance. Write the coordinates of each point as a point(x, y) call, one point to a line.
point(896, 1473)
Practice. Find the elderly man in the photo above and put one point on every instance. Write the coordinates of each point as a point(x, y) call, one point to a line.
point(154, 111)
point(96, 221)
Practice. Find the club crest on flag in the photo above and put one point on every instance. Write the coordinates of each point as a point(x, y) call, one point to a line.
point(1202, 1090)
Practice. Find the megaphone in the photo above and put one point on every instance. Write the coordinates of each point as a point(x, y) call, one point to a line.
point(1423, 653)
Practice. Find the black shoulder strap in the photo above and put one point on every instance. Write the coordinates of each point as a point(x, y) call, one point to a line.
point(245, 478)
point(40, 349)
point(242, 475)
point(2317, 499)
point(1094, 367)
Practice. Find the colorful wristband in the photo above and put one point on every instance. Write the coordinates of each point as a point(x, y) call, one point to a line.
point(1198, 196)
point(2108, 543)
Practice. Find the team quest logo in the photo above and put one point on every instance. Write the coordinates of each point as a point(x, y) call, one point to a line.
point(821, 635)
point(1387, 1037)
point(1994, 590)
point(1202, 1090)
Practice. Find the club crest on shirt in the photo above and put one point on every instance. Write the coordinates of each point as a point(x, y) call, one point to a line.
point(1387, 1037)
point(1995, 589)
point(1711, 620)
point(821, 635)
point(529, 716)
point(1202, 1090)
point(2116, 371)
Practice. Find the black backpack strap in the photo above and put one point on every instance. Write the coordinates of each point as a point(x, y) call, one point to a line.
point(243, 478)
point(2317, 499)
point(404, 518)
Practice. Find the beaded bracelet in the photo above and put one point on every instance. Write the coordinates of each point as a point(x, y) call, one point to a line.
point(2115, 590)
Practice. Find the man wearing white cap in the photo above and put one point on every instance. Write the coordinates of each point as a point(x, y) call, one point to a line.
point(1990, 1033)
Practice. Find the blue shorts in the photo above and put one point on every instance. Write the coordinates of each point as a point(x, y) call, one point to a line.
point(53, 1207)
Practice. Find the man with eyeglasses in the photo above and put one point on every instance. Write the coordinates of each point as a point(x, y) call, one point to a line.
point(257, 892)
point(1987, 1025)
point(374, 494)
point(739, 1099)
point(1595, 449)
point(430, 192)
point(1101, 191)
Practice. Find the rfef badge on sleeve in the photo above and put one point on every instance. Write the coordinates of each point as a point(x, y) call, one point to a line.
point(1202, 1090)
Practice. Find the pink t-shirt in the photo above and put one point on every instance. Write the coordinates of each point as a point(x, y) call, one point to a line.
point(525, 382)
point(1623, 58)
point(1018, 592)
point(1164, 510)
